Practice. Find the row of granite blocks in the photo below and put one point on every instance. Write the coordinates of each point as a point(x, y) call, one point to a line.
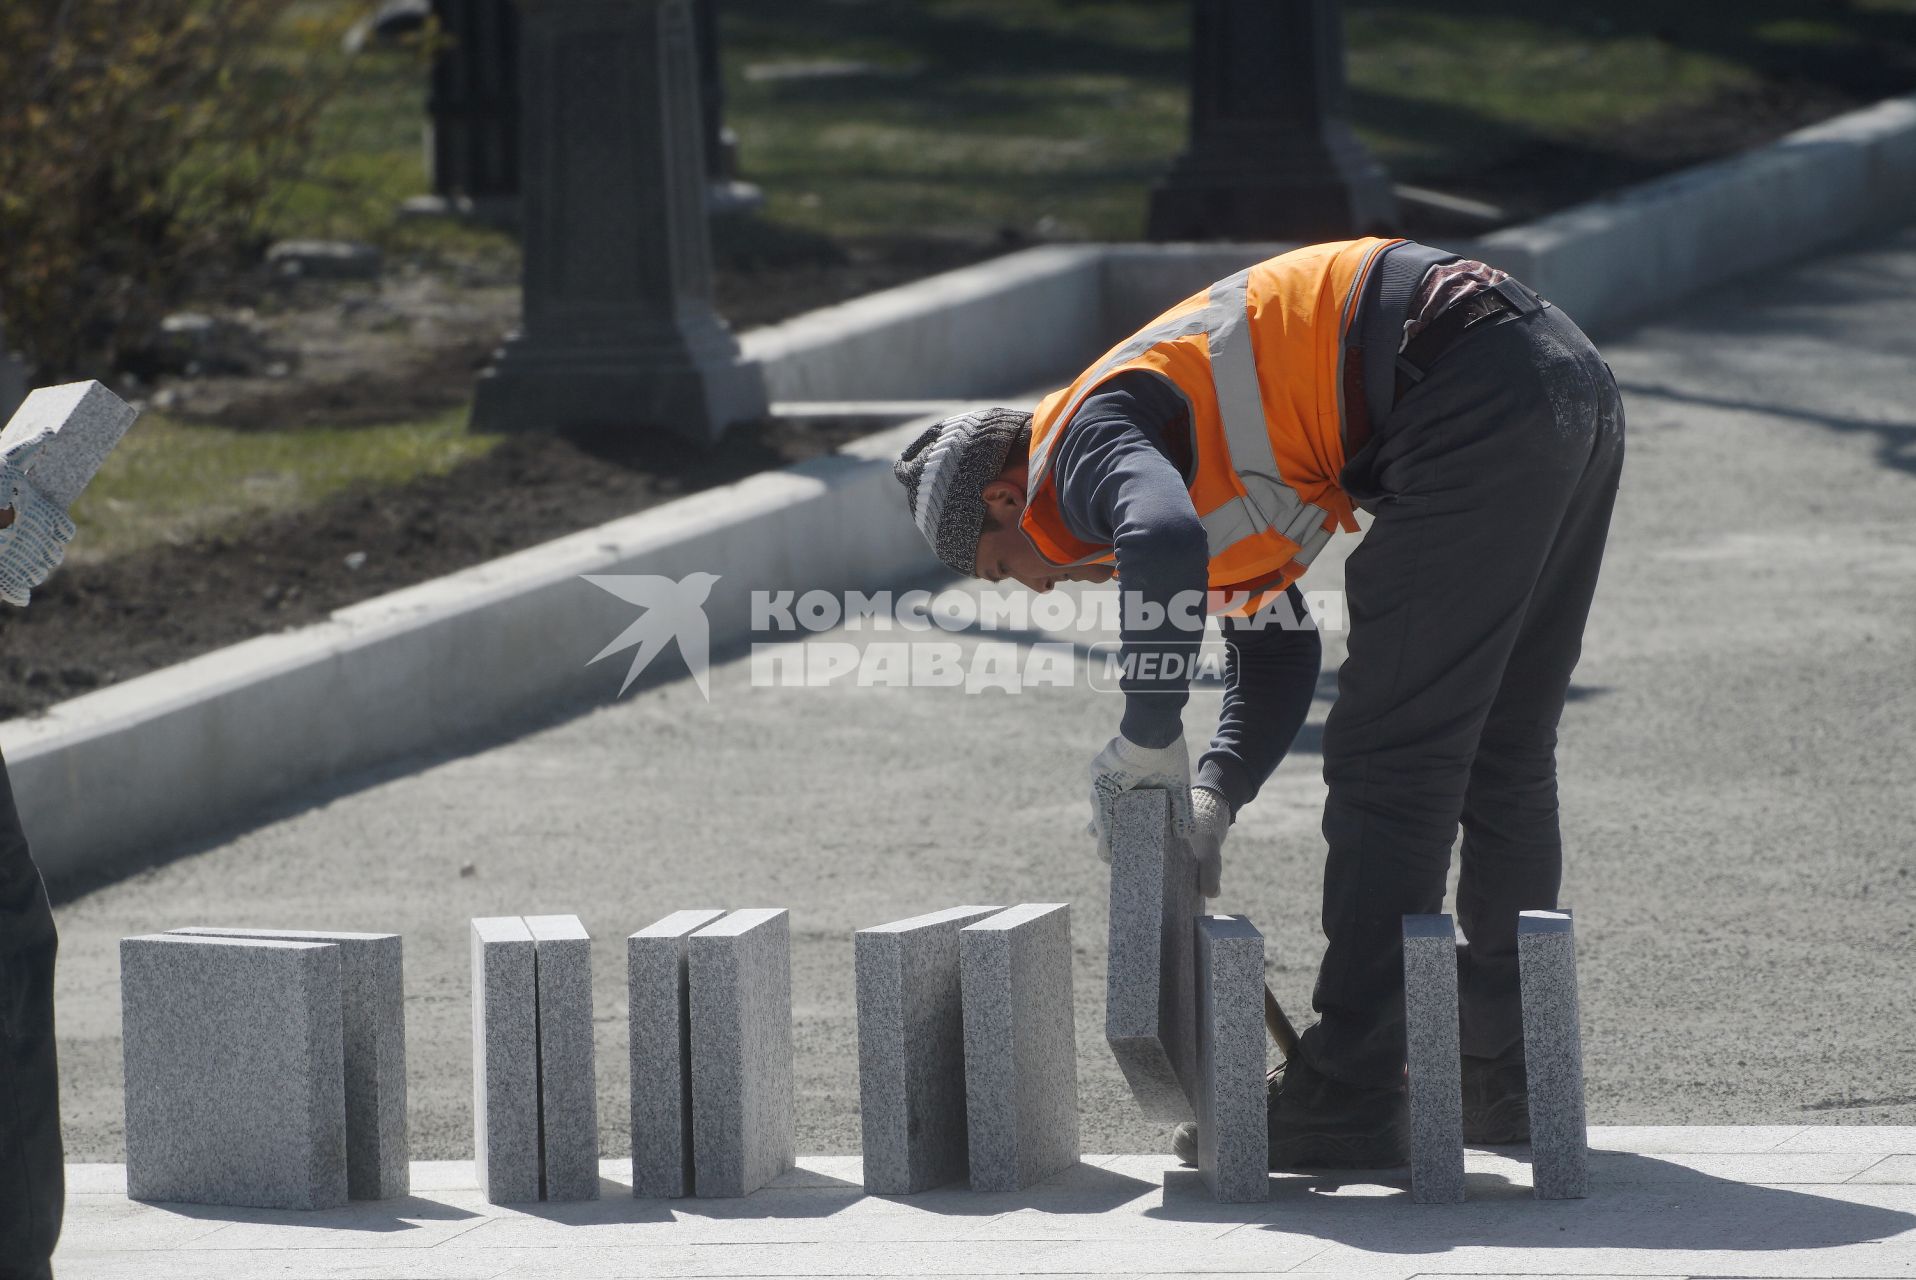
point(267, 1068)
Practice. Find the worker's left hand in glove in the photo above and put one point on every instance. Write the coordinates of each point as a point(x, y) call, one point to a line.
point(33, 541)
point(1122, 766)
point(1211, 822)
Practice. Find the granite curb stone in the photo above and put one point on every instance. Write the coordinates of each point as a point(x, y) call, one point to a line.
point(659, 1023)
point(1435, 1063)
point(911, 1051)
point(235, 1074)
point(373, 1013)
point(1021, 1065)
point(1553, 1054)
point(740, 977)
point(82, 421)
point(1150, 1017)
point(1232, 1100)
point(505, 1059)
point(568, 1099)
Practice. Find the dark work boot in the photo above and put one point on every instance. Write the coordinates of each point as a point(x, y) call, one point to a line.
point(1496, 1098)
point(1316, 1122)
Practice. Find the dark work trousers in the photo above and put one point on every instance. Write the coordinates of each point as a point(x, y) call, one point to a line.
point(32, 1176)
point(1490, 483)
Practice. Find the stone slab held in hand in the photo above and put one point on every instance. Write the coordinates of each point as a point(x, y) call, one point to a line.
point(235, 1078)
point(1021, 1051)
point(1150, 1017)
point(911, 1051)
point(81, 423)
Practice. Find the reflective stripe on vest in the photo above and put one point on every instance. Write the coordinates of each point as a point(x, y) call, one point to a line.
point(1268, 503)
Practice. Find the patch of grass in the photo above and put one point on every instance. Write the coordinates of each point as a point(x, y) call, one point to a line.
point(169, 481)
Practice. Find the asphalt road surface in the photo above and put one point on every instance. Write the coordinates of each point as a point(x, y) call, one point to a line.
point(1738, 771)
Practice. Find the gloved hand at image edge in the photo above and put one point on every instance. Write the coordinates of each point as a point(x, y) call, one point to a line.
point(1211, 822)
point(1123, 766)
point(34, 543)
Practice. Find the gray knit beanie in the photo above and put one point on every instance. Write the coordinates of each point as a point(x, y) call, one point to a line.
point(945, 471)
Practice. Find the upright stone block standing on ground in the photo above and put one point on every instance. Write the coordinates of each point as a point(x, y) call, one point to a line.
point(1231, 1100)
point(740, 971)
point(1150, 1014)
point(235, 1072)
point(659, 1020)
point(505, 1059)
point(1021, 1051)
point(1553, 1054)
point(911, 1051)
point(373, 1013)
point(568, 1089)
point(1436, 1091)
point(80, 423)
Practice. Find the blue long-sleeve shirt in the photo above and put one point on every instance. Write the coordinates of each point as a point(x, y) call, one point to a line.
point(1123, 468)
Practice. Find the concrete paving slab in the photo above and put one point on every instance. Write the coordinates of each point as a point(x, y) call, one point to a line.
point(1694, 1212)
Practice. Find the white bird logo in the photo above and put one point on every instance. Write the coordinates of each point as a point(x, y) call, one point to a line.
point(674, 610)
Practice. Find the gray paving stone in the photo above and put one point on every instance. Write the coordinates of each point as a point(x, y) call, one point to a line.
point(911, 1051)
point(1021, 1051)
point(1553, 1054)
point(568, 1087)
point(1150, 1010)
point(660, 1027)
point(1233, 1142)
point(1435, 1064)
point(373, 1011)
point(82, 420)
point(740, 971)
point(505, 1060)
point(235, 1075)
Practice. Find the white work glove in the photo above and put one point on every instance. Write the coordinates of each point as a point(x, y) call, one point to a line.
point(1122, 766)
point(34, 543)
point(1210, 823)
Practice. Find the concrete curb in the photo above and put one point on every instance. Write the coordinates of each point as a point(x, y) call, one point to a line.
point(178, 753)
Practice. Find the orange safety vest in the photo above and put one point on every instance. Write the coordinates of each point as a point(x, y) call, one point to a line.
point(1259, 359)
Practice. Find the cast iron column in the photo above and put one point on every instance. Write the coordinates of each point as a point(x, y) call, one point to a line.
point(1272, 155)
point(618, 328)
point(474, 104)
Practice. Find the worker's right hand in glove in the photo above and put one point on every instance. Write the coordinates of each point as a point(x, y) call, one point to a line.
point(33, 541)
point(1210, 823)
point(1123, 766)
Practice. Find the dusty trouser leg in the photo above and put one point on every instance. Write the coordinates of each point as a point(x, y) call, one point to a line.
point(1512, 850)
point(32, 1178)
point(1469, 483)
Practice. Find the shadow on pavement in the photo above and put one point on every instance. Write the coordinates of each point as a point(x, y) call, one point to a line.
point(406, 1213)
point(1635, 1202)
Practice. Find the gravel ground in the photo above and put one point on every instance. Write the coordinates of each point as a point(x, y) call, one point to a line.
point(1738, 763)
